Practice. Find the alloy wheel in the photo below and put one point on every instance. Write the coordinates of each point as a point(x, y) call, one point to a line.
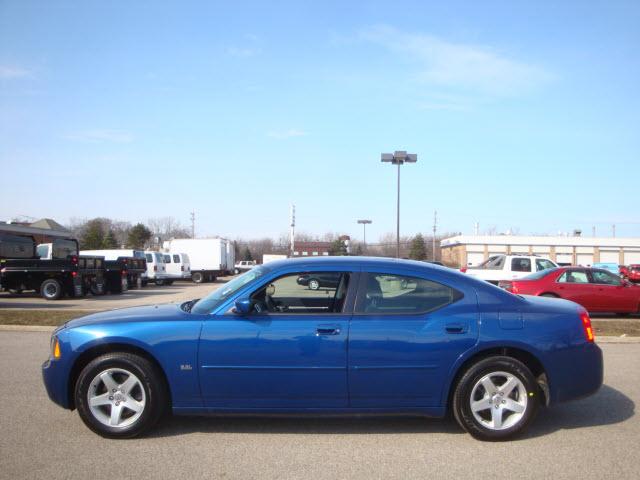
point(116, 398)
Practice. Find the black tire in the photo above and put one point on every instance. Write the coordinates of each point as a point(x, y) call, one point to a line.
point(159, 282)
point(197, 277)
point(314, 284)
point(168, 282)
point(236, 271)
point(464, 390)
point(155, 393)
point(95, 291)
point(51, 289)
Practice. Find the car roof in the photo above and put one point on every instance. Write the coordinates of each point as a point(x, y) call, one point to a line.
point(351, 261)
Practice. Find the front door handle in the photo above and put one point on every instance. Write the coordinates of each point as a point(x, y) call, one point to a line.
point(455, 328)
point(327, 330)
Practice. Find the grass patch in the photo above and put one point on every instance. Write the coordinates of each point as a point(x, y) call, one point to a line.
point(51, 318)
point(630, 328)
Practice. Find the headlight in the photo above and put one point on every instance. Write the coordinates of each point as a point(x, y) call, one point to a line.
point(55, 347)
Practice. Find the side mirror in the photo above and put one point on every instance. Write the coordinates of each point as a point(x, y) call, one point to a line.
point(243, 306)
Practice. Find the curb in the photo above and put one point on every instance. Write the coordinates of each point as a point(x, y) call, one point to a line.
point(26, 328)
point(621, 339)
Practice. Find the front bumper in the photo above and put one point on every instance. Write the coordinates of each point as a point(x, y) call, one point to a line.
point(55, 382)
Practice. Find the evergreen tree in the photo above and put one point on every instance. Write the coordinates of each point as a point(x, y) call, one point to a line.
point(338, 248)
point(246, 254)
point(418, 248)
point(93, 236)
point(138, 236)
point(109, 241)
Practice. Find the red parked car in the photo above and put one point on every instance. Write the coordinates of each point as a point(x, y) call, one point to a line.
point(633, 273)
point(595, 289)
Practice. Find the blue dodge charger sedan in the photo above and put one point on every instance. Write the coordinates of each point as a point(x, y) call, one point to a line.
point(386, 336)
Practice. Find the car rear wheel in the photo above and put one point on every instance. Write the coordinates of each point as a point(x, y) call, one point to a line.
point(51, 289)
point(496, 398)
point(197, 277)
point(236, 271)
point(314, 284)
point(120, 395)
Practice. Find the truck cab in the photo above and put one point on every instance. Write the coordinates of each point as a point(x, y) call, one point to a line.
point(502, 267)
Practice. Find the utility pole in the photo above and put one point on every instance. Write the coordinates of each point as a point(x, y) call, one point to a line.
point(435, 224)
point(293, 228)
point(193, 224)
point(593, 231)
point(613, 230)
point(399, 157)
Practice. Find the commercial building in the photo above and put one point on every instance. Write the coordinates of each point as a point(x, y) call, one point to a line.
point(570, 250)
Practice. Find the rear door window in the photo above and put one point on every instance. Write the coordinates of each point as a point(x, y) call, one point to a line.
point(149, 257)
point(574, 276)
point(176, 259)
point(398, 294)
point(521, 265)
point(167, 259)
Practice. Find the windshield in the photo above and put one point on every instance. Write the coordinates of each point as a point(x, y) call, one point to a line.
point(217, 297)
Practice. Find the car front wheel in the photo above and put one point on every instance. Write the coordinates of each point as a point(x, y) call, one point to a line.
point(314, 284)
point(496, 398)
point(120, 395)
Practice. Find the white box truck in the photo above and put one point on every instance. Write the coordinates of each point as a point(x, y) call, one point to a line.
point(208, 256)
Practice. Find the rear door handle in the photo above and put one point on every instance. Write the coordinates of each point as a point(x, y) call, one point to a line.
point(455, 328)
point(327, 330)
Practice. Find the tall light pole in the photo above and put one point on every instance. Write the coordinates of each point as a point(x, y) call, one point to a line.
point(364, 224)
point(399, 158)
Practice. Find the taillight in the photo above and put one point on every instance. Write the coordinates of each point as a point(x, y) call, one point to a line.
point(513, 288)
point(74, 274)
point(463, 269)
point(182, 268)
point(155, 268)
point(586, 325)
point(123, 273)
point(74, 260)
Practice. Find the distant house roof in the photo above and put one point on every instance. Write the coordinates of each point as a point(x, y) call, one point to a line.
point(48, 224)
point(45, 228)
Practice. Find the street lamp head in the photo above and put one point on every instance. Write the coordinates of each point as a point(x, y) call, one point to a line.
point(399, 157)
point(364, 222)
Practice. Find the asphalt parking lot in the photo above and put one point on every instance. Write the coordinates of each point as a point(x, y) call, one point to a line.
point(592, 438)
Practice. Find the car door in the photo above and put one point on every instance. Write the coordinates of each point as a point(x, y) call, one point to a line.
point(576, 285)
point(289, 351)
point(406, 333)
point(611, 294)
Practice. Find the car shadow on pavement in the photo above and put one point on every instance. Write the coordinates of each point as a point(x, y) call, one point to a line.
point(607, 407)
point(179, 425)
point(579, 414)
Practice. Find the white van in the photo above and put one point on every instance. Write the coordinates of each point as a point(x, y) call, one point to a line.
point(156, 269)
point(178, 265)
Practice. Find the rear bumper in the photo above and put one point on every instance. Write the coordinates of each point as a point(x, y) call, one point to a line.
point(578, 373)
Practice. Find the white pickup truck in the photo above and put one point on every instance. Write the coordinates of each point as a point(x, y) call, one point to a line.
point(244, 266)
point(507, 267)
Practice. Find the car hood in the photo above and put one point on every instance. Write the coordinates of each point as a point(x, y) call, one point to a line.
point(154, 313)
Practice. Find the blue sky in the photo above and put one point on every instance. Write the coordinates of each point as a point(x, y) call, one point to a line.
point(524, 115)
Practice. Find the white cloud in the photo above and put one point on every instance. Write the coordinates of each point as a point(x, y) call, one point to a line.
point(9, 72)
point(284, 134)
point(242, 52)
point(112, 136)
point(467, 67)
